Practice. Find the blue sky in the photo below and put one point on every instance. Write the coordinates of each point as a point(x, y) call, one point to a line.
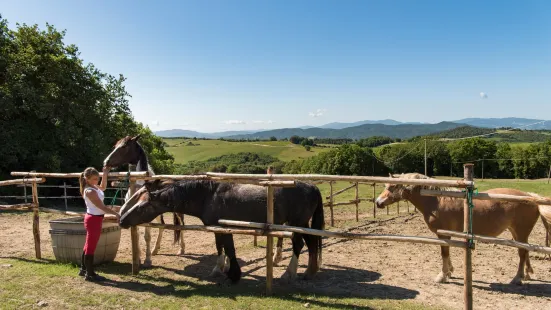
point(233, 65)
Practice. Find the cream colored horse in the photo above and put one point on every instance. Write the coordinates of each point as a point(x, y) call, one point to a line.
point(490, 218)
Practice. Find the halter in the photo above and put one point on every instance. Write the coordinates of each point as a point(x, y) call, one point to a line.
point(121, 185)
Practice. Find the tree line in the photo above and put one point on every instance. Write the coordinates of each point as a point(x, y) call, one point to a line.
point(57, 112)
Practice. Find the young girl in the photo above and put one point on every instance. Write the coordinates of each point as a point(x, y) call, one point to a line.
point(95, 210)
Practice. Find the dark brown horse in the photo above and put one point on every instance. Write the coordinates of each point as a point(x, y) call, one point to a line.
point(212, 201)
point(129, 151)
point(490, 218)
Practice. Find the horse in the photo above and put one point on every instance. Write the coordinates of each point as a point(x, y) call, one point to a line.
point(490, 218)
point(211, 201)
point(129, 151)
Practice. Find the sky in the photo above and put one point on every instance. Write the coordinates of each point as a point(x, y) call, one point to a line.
point(214, 65)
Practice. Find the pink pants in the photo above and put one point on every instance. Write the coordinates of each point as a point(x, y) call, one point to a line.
point(92, 223)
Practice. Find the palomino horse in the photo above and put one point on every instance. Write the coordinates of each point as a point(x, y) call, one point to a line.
point(211, 201)
point(129, 151)
point(490, 218)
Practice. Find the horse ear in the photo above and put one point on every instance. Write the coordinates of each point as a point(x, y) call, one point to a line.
point(136, 137)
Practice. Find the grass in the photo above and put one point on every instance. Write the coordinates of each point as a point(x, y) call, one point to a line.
point(205, 149)
point(30, 281)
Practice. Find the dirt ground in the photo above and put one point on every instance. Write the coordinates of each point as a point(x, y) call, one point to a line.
point(399, 271)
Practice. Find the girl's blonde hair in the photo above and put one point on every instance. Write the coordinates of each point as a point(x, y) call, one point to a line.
point(88, 172)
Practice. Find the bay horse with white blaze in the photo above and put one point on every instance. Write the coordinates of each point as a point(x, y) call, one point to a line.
point(211, 201)
point(129, 151)
point(490, 218)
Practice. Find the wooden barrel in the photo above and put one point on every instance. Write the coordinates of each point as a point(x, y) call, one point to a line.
point(69, 235)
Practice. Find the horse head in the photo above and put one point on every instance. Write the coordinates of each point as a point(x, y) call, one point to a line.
point(127, 151)
point(150, 201)
point(391, 194)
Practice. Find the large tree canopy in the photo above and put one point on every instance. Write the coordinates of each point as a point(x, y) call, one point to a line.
point(58, 113)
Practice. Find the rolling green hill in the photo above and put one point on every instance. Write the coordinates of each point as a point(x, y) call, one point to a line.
point(364, 131)
point(186, 150)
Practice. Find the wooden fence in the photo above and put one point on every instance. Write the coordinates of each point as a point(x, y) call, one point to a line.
point(269, 229)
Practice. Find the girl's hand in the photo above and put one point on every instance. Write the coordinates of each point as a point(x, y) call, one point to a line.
point(118, 218)
point(106, 169)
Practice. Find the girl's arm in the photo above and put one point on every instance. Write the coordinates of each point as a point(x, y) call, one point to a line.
point(103, 184)
point(94, 198)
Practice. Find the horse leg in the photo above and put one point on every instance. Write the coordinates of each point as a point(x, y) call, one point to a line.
point(181, 232)
point(313, 264)
point(291, 272)
point(278, 257)
point(234, 272)
point(147, 237)
point(218, 269)
point(523, 254)
point(159, 238)
point(528, 270)
point(447, 267)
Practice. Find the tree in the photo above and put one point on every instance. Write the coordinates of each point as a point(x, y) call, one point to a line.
point(58, 113)
point(272, 138)
point(475, 149)
point(308, 148)
point(295, 139)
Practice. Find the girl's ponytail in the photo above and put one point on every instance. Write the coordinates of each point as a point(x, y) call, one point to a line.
point(82, 183)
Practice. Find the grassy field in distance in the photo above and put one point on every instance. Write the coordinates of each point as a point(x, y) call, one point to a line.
point(184, 152)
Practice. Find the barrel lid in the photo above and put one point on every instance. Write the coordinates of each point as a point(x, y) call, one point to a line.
point(76, 220)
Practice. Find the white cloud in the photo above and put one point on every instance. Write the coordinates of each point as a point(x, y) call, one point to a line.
point(154, 123)
point(235, 122)
point(317, 113)
point(483, 95)
point(263, 122)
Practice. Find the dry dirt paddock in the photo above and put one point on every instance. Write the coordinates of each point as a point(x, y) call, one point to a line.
point(357, 269)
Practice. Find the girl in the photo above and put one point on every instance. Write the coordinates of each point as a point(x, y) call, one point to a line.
point(95, 210)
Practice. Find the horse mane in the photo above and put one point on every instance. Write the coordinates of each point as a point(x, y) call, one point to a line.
point(418, 176)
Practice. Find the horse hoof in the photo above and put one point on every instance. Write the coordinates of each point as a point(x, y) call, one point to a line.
point(147, 264)
point(287, 277)
point(216, 272)
point(181, 252)
point(516, 281)
point(441, 278)
point(155, 252)
point(527, 277)
point(234, 275)
point(277, 260)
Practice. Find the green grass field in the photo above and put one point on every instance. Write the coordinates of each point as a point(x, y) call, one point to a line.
point(183, 152)
point(30, 281)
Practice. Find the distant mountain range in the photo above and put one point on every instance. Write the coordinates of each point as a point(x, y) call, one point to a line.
point(174, 133)
point(363, 129)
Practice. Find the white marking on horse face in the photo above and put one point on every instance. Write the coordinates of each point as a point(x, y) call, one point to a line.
point(130, 203)
point(117, 147)
point(380, 200)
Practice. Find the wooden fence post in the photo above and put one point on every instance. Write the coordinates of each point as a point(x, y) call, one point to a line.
point(374, 205)
point(65, 194)
point(134, 235)
point(269, 241)
point(25, 192)
point(331, 203)
point(36, 222)
point(357, 202)
point(468, 276)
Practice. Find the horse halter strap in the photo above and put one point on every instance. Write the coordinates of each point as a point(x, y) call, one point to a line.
point(120, 187)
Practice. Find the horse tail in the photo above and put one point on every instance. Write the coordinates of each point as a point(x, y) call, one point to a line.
point(162, 219)
point(545, 214)
point(318, 222)
point(177, 233)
